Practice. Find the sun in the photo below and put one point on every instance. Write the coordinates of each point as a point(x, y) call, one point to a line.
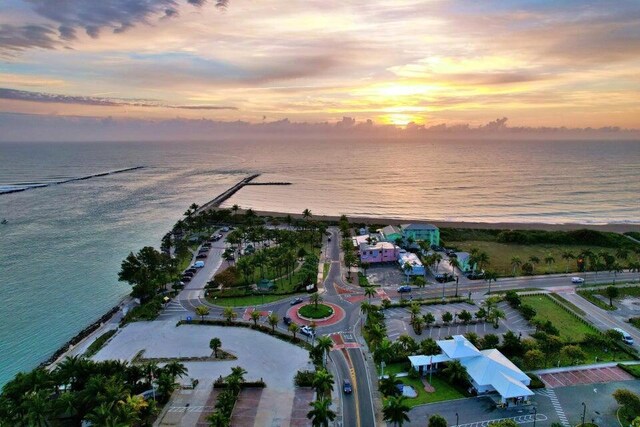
point(400, 119)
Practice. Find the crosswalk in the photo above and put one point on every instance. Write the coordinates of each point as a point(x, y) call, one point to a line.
point(173, 307)
point(551, 394)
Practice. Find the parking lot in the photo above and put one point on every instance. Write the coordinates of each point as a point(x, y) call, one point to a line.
point(386, 275)
point(397, 321)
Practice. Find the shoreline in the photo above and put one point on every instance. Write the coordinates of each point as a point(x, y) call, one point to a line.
point(613, 227)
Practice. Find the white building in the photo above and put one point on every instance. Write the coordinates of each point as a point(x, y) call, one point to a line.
point(411, 258)
point(489, 370)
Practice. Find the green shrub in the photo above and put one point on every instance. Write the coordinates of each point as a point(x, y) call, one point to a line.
point(98, 343)
point(304, 378)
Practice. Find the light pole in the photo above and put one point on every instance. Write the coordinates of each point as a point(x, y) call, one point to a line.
point(535, 415)
point(584, 412)
point(457, 423)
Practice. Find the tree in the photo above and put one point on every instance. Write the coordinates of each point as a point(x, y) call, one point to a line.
point(147, 271)
point(369, 292)
point(414, 311)
point(215, 345)
point(323, 383)
point(628, 399)
point(388, 385)
point(611, 292)
point(408, 269)
point(418, 324)
point(229, 314)
point(447, 317)
point(481, 313)
point(407, 343)
point(294, 328)
point(455, 372)
point(395, 410)
point(573, 353)
point(516, 262)
point(465, 316)
point(429, 319)
point(321, 414)
point(382, 351)
point(567, 255)
point(316, 298)
point(429, 347)
point(202, 310)
point(165, 386)
point(246, 268)
point(273, 321)
point(494, 315)
point(534, 260)
point(490, 341)
point(255, 316)
point(534, 359)
point(324, 344)
point(437, 421)
point(527, 312)
point(549, 259)
point(176, 369)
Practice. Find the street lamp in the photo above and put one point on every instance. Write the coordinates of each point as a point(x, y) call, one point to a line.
point(457, 423)
point(535, 415)
point(584, 412)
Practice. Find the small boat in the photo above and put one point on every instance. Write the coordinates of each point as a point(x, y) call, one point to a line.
point(4, 221)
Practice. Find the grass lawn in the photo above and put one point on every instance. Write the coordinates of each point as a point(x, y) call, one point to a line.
point(315, 312)
point(632, 369)
point(591, 297)
point(394, 368)
point(325, 270)
point(500, 255)
point(571, 329)
point(444, 391)
point(362, 280)
point(247, 301)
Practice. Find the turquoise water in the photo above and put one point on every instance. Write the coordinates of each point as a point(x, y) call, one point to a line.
point(61, 250)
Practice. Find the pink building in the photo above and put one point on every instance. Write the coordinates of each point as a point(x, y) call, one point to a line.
point(378, 252)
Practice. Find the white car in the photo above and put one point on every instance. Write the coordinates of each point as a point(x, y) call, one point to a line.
point(578, 280)
point(198, 264)
point(306, 330)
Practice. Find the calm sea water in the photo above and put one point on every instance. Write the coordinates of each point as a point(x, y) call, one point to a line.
point(61, 250)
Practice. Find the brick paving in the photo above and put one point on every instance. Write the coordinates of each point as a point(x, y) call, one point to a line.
point(585, 376)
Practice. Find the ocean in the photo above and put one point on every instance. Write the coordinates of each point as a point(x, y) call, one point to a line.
point(61, 249)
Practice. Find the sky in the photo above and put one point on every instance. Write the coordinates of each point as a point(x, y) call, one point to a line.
point(570, 63)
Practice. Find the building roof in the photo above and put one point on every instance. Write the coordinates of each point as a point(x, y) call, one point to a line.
point(458, 347)
point(486, 367)
point(428, 360)
point(409, 257)
point(390, 229)
point(377, 246)
point(419, 227)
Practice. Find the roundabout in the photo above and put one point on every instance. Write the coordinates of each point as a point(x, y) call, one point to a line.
point(327, 314)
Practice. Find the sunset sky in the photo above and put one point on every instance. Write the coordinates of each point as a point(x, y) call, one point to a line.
point(541, 63)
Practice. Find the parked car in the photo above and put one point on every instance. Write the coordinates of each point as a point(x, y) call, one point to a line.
point(450, 252)
point(204, 250)
point(296, 301)
point(329, 239)
point(444, 277)
point(346, 387)
point(225, 229)
point(286, 320)
point(206, 245)
point(198, 264)
point(475, 275)
point(188, 274)
point(201, 256)
point(185, 279)
point(306, 330)
point(437, 248)
point(191, 270)
point(404, 288)
point(578, 280)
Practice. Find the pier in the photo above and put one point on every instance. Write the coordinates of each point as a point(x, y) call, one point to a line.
point(215, 203)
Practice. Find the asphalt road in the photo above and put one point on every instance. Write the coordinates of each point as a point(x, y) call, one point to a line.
point(348, 401)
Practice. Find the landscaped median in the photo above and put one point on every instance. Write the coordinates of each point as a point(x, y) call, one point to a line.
point(315, 312)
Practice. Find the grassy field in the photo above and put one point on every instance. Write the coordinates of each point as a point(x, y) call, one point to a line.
point(444, 391)
point(500, 255)
point(394, 368)
point(313, 312)
point(591, 297)
point(571, 329)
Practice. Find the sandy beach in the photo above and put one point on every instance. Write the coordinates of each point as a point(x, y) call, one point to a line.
point(616, 228)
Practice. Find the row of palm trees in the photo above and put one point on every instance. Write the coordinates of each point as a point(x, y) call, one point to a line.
point(600, 261)
point(80, 390)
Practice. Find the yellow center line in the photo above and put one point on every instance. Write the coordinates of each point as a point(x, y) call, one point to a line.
point(354, 386)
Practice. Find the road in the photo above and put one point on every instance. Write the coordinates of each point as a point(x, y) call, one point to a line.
point(357, 409)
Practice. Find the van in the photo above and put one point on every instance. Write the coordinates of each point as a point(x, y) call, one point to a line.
point(626, 338)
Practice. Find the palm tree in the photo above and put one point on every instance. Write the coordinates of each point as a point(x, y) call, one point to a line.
point(245, 266)
point(482, 258)
point(321, 414)
point(369, 292)
point(454, 263)
point(395, 410)
point(229, 314)
point(294, 328)
point(418, 324)
point(408, 268)
point(255, 316)
point(215, 345)
point(489, 276)
point(612, 292)
point(324, 344)
point(437, 258)
point(235, 209)
point(382, 351)
point(534, 260)
point(238, 372)
point(166, 385)
point(389, 385)
point(323, 383)
point(273, 321)
point(176, 369)
point(414, 310)
point(567, 255)
point(315, 299)
point(549, 259)
point(429, 319)
point(516, 262)
point(202, 310)
point(456, 373)
point(494, 315)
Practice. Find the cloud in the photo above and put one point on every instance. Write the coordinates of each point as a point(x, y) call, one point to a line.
point(93, 17)
point(23, 95)
point(16, 38)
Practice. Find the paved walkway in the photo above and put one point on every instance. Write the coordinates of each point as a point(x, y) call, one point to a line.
point(585, 376)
